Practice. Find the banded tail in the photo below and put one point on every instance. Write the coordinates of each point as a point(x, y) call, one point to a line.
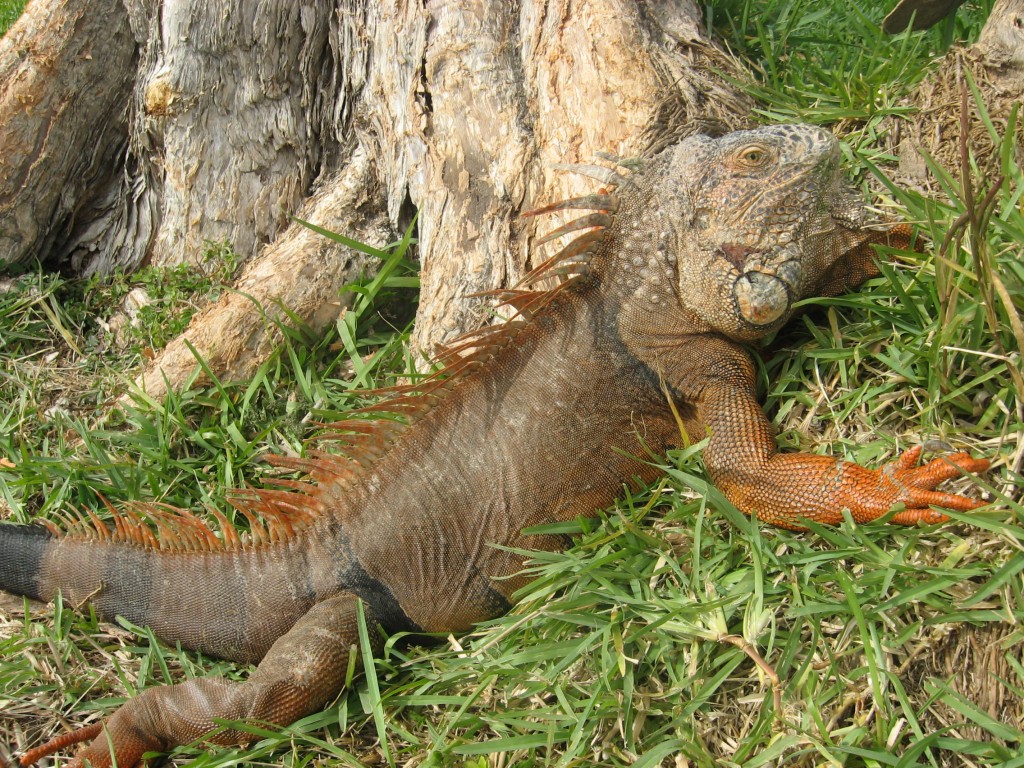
point(22, 550)
point(206, 600)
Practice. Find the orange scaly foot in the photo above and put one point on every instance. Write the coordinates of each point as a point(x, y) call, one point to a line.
point(871, 493)
point(917, 485)
point(793, 488)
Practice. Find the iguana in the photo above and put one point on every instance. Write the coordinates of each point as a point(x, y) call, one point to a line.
point(542, 418)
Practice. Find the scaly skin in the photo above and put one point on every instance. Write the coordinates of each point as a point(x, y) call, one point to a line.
point(707, 247)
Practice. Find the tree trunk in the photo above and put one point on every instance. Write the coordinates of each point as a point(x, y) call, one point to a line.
point(66, 74)
point(358, 115)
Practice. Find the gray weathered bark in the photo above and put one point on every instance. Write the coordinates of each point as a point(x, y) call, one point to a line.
point(66, 74)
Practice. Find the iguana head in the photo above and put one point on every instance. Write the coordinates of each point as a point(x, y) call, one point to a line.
point(743, 226)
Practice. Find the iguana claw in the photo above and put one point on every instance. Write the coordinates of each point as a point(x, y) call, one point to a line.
point(870, 494)
point(792, 488)
point(917, 485)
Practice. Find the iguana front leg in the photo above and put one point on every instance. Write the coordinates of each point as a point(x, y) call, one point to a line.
point(789, 488)
point(786, 489)
point(301, 673)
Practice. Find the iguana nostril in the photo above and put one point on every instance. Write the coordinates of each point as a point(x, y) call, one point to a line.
point(761, 298)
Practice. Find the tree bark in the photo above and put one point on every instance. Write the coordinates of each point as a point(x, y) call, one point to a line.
point(238, 115)
point(301, 271)
point(511, 95)
point(66, 74)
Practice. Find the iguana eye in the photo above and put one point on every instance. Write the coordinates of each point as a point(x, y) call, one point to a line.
point(752, 157)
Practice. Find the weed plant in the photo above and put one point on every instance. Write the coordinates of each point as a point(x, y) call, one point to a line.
point(676, 631)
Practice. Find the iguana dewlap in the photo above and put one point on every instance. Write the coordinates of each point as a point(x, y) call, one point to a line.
point(538, 420)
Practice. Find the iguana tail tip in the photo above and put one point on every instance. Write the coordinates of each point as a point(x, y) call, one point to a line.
point(58, 743)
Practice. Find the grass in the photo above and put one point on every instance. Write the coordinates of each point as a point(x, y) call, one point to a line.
point(654, 641)
point(10, 10)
